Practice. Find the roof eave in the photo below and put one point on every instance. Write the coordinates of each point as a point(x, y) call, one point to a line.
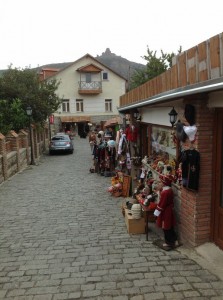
point(208, 86)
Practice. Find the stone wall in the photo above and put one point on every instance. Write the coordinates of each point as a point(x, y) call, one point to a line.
point(15, 150)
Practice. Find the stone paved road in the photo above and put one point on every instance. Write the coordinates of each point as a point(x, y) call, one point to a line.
point(62, 236)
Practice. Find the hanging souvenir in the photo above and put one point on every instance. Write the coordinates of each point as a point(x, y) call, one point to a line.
point(128, 161)
point(190, 169)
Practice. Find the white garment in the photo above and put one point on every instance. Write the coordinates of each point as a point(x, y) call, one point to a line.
point(121, 141)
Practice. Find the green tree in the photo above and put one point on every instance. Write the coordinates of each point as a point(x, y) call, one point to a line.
point(154, 67)
point(21, 88)
point(12, 116)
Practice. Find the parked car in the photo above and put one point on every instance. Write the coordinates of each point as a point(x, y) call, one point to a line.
point(61, 143)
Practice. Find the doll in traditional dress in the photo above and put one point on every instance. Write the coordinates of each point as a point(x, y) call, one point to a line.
point(165, 214)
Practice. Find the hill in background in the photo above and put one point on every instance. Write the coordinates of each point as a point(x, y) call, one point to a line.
point(117, 63)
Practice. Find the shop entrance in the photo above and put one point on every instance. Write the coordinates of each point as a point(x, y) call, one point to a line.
point(83, 129)
point(218, 182)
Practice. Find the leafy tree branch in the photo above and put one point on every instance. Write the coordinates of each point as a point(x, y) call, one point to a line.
point(21, 88)
point(155, 66)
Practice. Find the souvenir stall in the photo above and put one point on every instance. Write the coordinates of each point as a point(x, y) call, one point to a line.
point(163, 156)
point(121, 180)
point(174, 151)
point(104, 154)
point(126, 149)
point(128, 170)
point(194, 79)
point(173, 154)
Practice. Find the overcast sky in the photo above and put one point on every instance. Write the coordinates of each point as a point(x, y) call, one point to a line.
point(39, 32)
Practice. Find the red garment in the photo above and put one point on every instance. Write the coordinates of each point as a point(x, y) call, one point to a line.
point(131, 133)
point(166, 219)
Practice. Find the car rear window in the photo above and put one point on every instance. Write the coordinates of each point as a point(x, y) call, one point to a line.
point(60, 137)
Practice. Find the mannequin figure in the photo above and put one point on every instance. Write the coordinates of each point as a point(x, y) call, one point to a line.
point(164, 212)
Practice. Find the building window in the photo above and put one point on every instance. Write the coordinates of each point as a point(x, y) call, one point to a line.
point(105, 76)
point(88, 77)
point(66, 105)
point(79, 105)
point(108, 105)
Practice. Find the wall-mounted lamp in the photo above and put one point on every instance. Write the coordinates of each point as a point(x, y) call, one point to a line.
point(137, 116)
point(173, 116)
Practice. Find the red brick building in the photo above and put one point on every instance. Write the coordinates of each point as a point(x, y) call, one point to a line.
point(196, 78)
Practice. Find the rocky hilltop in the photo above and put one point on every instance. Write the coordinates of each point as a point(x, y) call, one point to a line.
point(117, 63)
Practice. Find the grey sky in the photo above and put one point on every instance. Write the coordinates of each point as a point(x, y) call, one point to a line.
point(38, 32)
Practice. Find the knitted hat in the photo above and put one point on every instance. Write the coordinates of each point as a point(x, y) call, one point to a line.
point(190, 132)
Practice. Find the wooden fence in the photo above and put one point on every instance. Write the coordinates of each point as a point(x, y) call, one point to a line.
point(196, 65)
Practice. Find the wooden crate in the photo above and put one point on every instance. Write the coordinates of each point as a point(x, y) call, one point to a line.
point(134, 225)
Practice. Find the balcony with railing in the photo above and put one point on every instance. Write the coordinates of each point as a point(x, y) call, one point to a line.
point(93, 87)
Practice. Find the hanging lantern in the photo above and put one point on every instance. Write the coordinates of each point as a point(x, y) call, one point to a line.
point(173, 116)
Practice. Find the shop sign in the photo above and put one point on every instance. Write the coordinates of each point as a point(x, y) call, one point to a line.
point(51, 119)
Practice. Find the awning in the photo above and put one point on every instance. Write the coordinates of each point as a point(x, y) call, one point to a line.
point(113, 121)
point(75, 119)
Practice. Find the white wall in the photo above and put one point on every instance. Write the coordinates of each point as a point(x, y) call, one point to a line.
point(158, 115)
point(112, 88)
point(215, 99)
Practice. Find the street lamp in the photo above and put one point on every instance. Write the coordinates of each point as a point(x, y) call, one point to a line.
point(49, 122)
point(49, 117)
point(29, 114)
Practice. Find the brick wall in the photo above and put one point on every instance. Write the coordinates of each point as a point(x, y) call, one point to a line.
point(195, 212)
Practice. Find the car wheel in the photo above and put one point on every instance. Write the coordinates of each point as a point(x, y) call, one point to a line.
point(50, 152)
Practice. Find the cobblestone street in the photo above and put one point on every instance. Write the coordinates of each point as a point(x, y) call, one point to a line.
point(63, 236)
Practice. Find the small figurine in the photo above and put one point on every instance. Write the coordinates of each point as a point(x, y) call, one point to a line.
point(179, 174)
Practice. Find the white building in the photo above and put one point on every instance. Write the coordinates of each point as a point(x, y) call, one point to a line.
point(90, 93)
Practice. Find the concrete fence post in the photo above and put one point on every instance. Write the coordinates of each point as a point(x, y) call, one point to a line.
point(24, 141)
point(13, 138)
point(3, 155)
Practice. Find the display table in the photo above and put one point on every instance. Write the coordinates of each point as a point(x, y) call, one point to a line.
point(149, 216)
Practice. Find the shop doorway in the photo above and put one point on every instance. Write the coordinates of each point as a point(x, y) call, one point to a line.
point(83, 129)
point(218, 182)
